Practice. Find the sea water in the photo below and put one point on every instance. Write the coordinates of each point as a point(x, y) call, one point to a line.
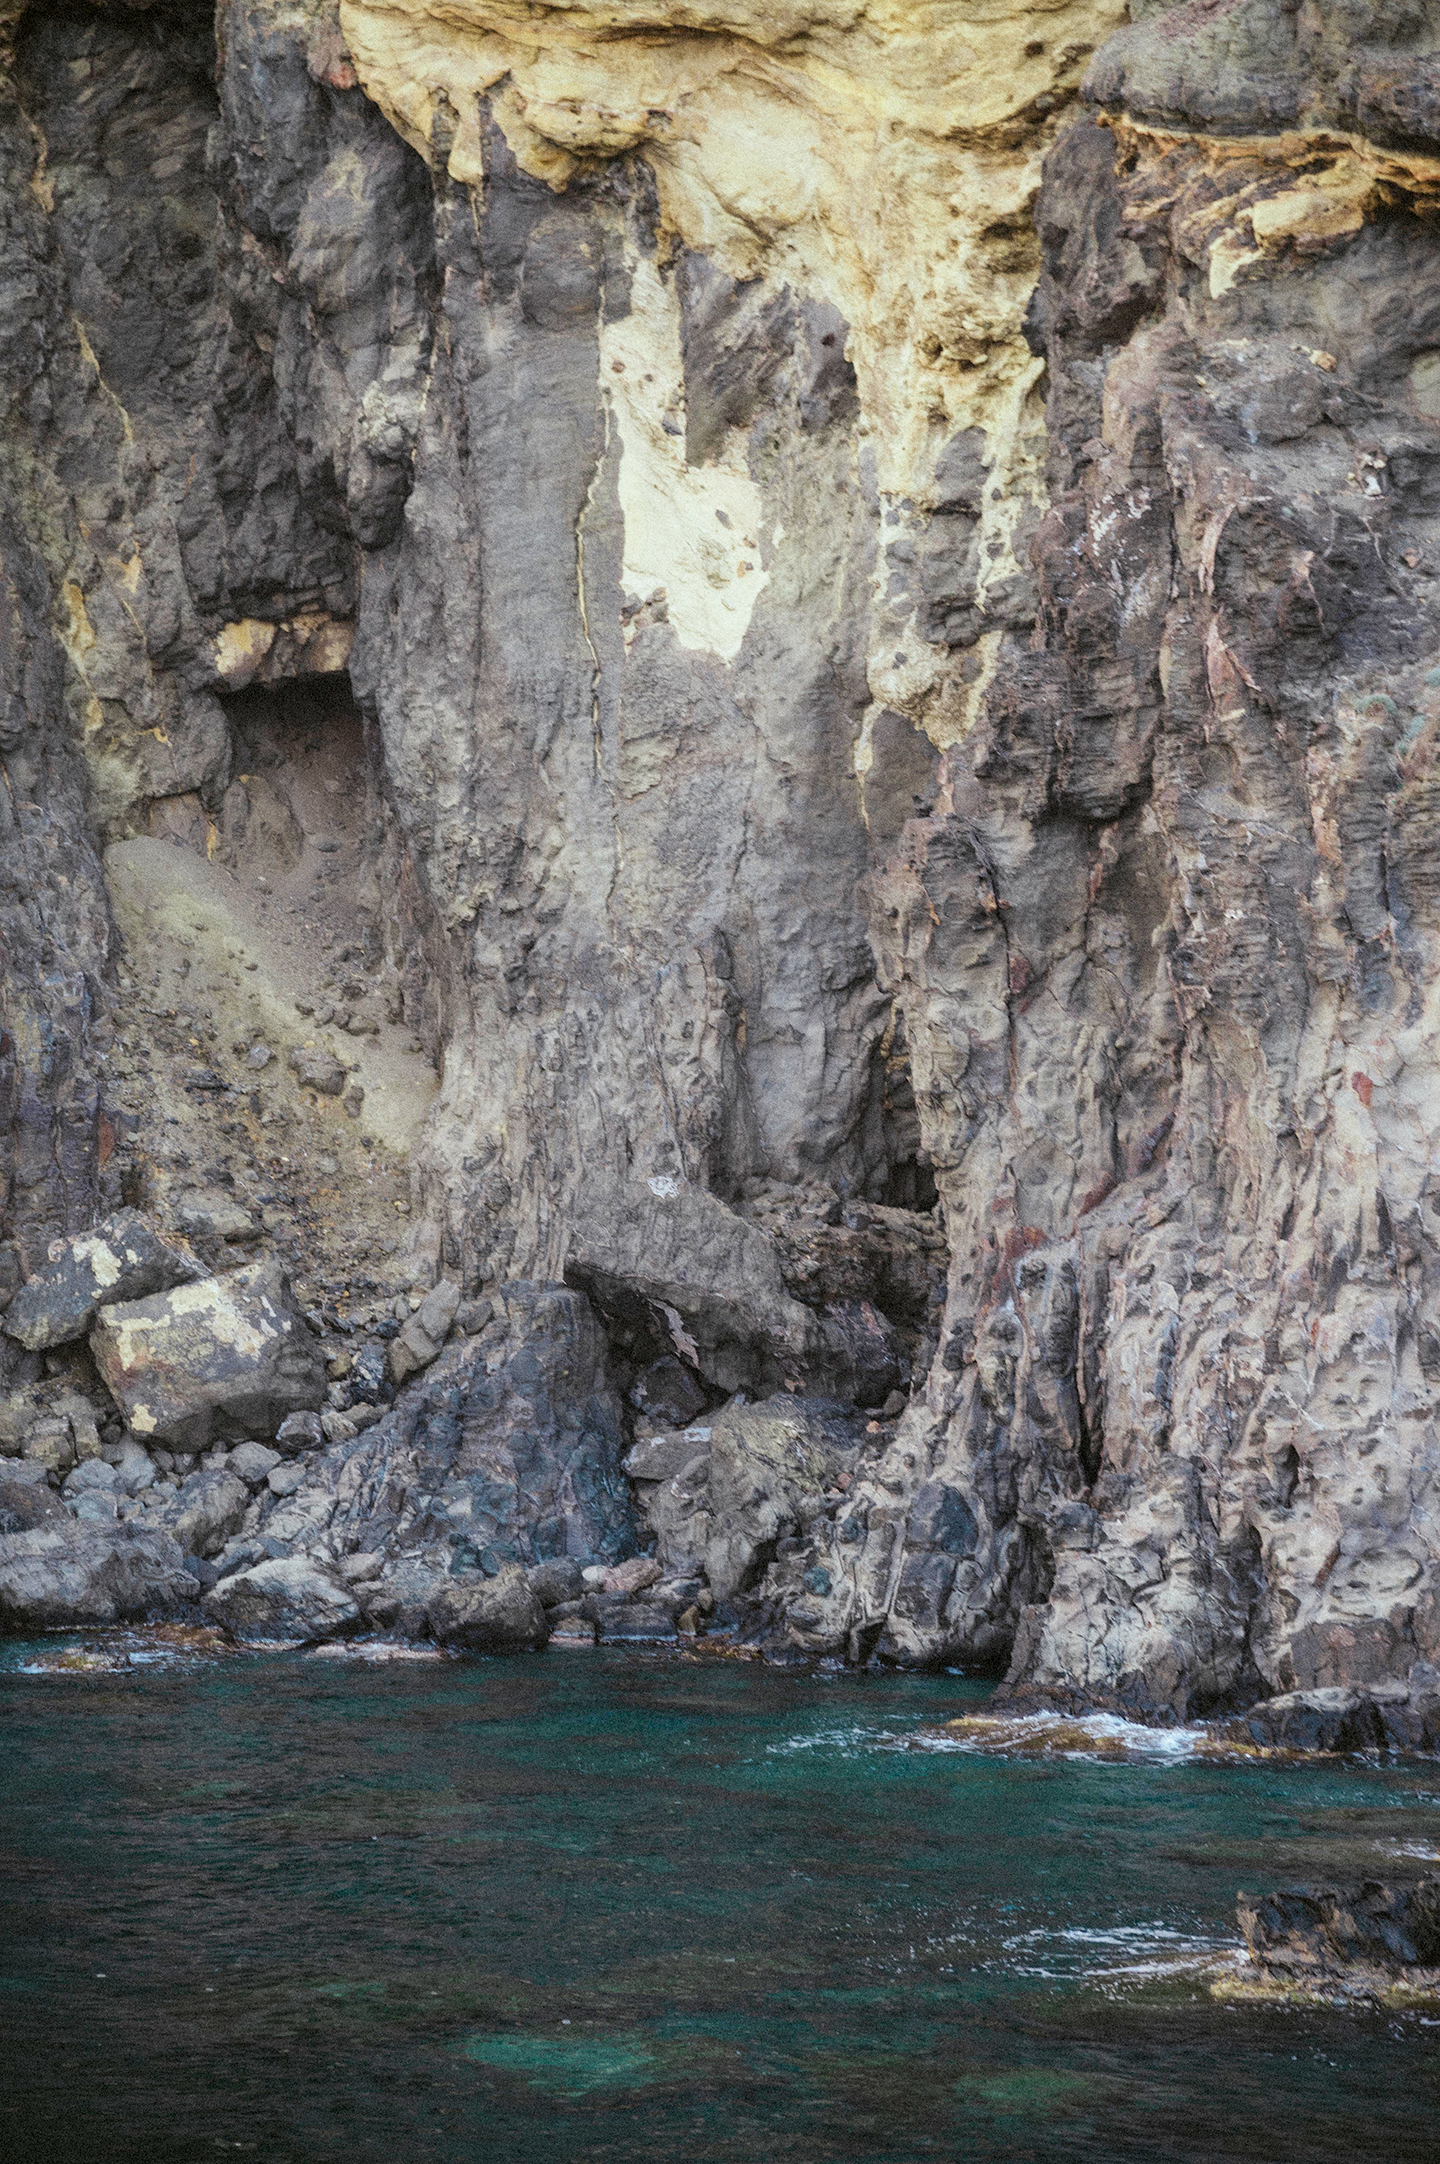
point(623, 1905)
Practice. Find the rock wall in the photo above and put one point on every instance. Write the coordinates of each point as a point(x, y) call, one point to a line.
point(885, 560)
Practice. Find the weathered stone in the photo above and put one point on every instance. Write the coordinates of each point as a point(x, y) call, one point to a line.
point(487, 1615)
point(63, 1574)
point(287, 1600)
point(122, 1259)
point(633, 1575)
point(134, 1467)
point(507, 1450)
point(661, 1457)
point(204, 1216)
point(764, 1461)
point(97, 1506)
point(227, 1355)
point(26, 1504)
point(1395, 1715)
point(299, 1432)
point(438, 1309)
point(251, 1462)
point(412, 1349)
point(93, 1474)
point(317, 1070)
point(424, 1332)
point(1362, 1937)
point(208, 1509)
point(50, 1441)
point(669, 1391)
point(720, 959)
point(555, 1582)
point(637, 1621)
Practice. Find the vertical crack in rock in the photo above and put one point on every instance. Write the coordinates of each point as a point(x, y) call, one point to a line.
point(774, 664)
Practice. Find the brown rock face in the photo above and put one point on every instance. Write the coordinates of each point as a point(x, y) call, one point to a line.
point(887, 755)
point(1167, 967)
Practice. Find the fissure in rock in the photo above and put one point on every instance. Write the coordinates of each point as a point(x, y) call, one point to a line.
point(777, 832)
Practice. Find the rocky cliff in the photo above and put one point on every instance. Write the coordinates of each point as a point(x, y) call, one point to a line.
point(772, 663)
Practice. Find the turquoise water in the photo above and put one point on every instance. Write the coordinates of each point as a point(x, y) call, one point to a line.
point(623, 1906)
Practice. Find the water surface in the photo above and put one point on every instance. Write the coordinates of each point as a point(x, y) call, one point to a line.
point(618, 1905)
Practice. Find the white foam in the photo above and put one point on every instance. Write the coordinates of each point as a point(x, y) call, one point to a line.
point(1102, 1731)
point(1128, 1951)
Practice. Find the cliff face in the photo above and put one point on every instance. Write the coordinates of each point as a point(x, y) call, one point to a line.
point(889, 602)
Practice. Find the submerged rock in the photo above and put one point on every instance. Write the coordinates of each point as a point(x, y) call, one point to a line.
point(1366, 1938)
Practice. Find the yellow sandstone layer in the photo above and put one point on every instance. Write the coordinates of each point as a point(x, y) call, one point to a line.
point(883, 155)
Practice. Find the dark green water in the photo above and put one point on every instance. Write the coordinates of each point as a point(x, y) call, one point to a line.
point(618, 1906)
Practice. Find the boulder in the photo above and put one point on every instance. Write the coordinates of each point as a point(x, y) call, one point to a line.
point(227, 1355)
point(94, 1473)
point(134, 1467)
point(362, 1569)
point(24, 1472)
point(633, 1575)
point(251, 1462)
point(765, 1460)
point(125, 1258)
point(674, 1251)
point(25, 1504)
point(661, 1457)
point(1367, 1936)
point(559, 1580)
point(98, 1506)
point(421, 1338)
point(867, 1360)
point(487, 1615)
point(209, 1216)
point(208, 1509)
point(1395, 1715)
point(68, 1573)
point(636, 1621)
point(299, 1432)
point(314, 1068)
point(506, 1450)
point(669, 1391)
point(290, 1600)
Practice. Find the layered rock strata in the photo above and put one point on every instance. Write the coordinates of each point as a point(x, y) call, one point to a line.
point(832, 616)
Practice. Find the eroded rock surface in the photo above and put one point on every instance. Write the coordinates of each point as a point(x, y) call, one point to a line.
point(1362, 1939)
point(224, 1355)
point(56, 1574)
point(757, 689)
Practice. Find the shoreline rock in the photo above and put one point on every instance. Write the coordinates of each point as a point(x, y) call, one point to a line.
point(1370, 1940)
